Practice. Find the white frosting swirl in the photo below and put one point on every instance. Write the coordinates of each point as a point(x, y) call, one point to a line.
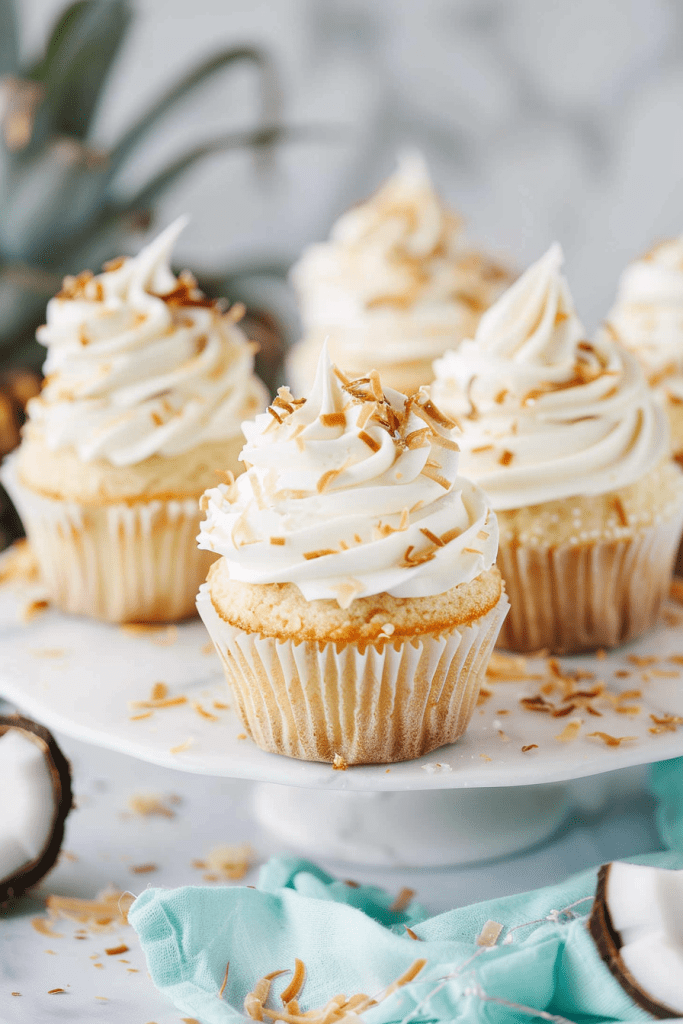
point(348, 497)
point(140, 363)
point(395, 266)
point(647, 316)
point(545, 414)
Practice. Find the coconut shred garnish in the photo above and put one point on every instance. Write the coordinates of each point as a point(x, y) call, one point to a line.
point(350, 493)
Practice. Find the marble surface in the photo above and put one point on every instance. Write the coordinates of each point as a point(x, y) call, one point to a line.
point(105, 840)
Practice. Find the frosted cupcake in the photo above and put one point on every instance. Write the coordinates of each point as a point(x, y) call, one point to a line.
point(147, 382)
point(394, 287)
point(571, 448)
point(647, 317)
point(356, 602)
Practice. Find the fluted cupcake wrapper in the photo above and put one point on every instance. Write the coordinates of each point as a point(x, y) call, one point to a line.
point(575, 598)
point(388, 702)
point(119, 562)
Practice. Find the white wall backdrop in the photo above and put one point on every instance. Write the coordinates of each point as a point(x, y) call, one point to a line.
point(541, 119)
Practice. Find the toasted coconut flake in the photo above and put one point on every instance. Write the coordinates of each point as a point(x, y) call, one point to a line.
point(33, 608)
point(644, 660)
point(368, 410)
point(44, 926)
point(482, 448)
point(164, 636)
point(406, 977)
point(403, 900)
point(339, 764)
point(296, 984)
point(676, 590)
point(367, 439)
point(19, 563)
point(529, 746)
point(376, 386)
point(347, 591)
point(109, 908)
point(229, 860)
point(570, 731)
point(661, 673)
point(507, 667)
point(117, 950)
point(412, 934)
point(450, 535)
point(432, 537)
point(328, 478)
point(277, 541)
point(506, 458)
point(333, 419)
point(610, 741)
point(537, 703)
point(484, 695)
point(151, 804)
point(224, 983)
point(202, 712)
point(341, 376)
point(143, 869)
point(180, 747)
point(628, 709)
point(308, 555)
point(444, 442)
point(489, 934)
point(159, 691)
point(56, 991)
point(485, 757)
point(417, 438)
point(167, 702)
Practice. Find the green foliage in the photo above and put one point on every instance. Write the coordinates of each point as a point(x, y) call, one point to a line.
point(61, 209)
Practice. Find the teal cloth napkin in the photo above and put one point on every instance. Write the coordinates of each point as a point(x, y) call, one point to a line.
point(666, 781)
point(351, 941)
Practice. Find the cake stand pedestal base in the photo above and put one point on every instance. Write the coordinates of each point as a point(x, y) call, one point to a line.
point(446, 827)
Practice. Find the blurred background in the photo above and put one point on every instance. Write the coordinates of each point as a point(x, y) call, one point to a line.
point(539, 121)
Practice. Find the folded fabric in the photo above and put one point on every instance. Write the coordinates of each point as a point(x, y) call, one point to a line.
point(350, 941)
point(666, 781)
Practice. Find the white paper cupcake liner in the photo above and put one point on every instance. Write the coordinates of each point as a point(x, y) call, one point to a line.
point(581, 597)
point(386, 703)
point(120, 562)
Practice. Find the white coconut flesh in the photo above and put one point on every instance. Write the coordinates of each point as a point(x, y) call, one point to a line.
point(27, 802)
point(646, 908)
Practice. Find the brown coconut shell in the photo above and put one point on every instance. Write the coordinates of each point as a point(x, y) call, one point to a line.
point(608, 942)
point(60, 772)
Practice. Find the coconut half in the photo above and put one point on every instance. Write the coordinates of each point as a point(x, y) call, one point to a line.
point(637, 925)
point(35, 798)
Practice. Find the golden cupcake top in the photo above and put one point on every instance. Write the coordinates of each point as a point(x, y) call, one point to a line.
point(547, 414)
point(352, 492)
point(141, 363)
point(395, 264)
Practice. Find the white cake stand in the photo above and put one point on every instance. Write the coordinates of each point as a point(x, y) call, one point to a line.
point(480, 798)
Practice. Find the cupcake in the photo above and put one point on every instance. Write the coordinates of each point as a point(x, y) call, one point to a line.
point(647, 317)
point(356, 602)
point(395, 286)
point(146, 384)
point(571, 448)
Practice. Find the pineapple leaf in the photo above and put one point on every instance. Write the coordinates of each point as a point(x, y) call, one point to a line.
point(82, 48)
point(258, 138)
point(270, 105)
point(9, 56)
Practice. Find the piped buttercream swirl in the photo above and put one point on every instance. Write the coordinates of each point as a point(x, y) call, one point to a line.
point(546, 414)
point(647, 316)
point(353, 492)
point(396, 268)
point(141, 363)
